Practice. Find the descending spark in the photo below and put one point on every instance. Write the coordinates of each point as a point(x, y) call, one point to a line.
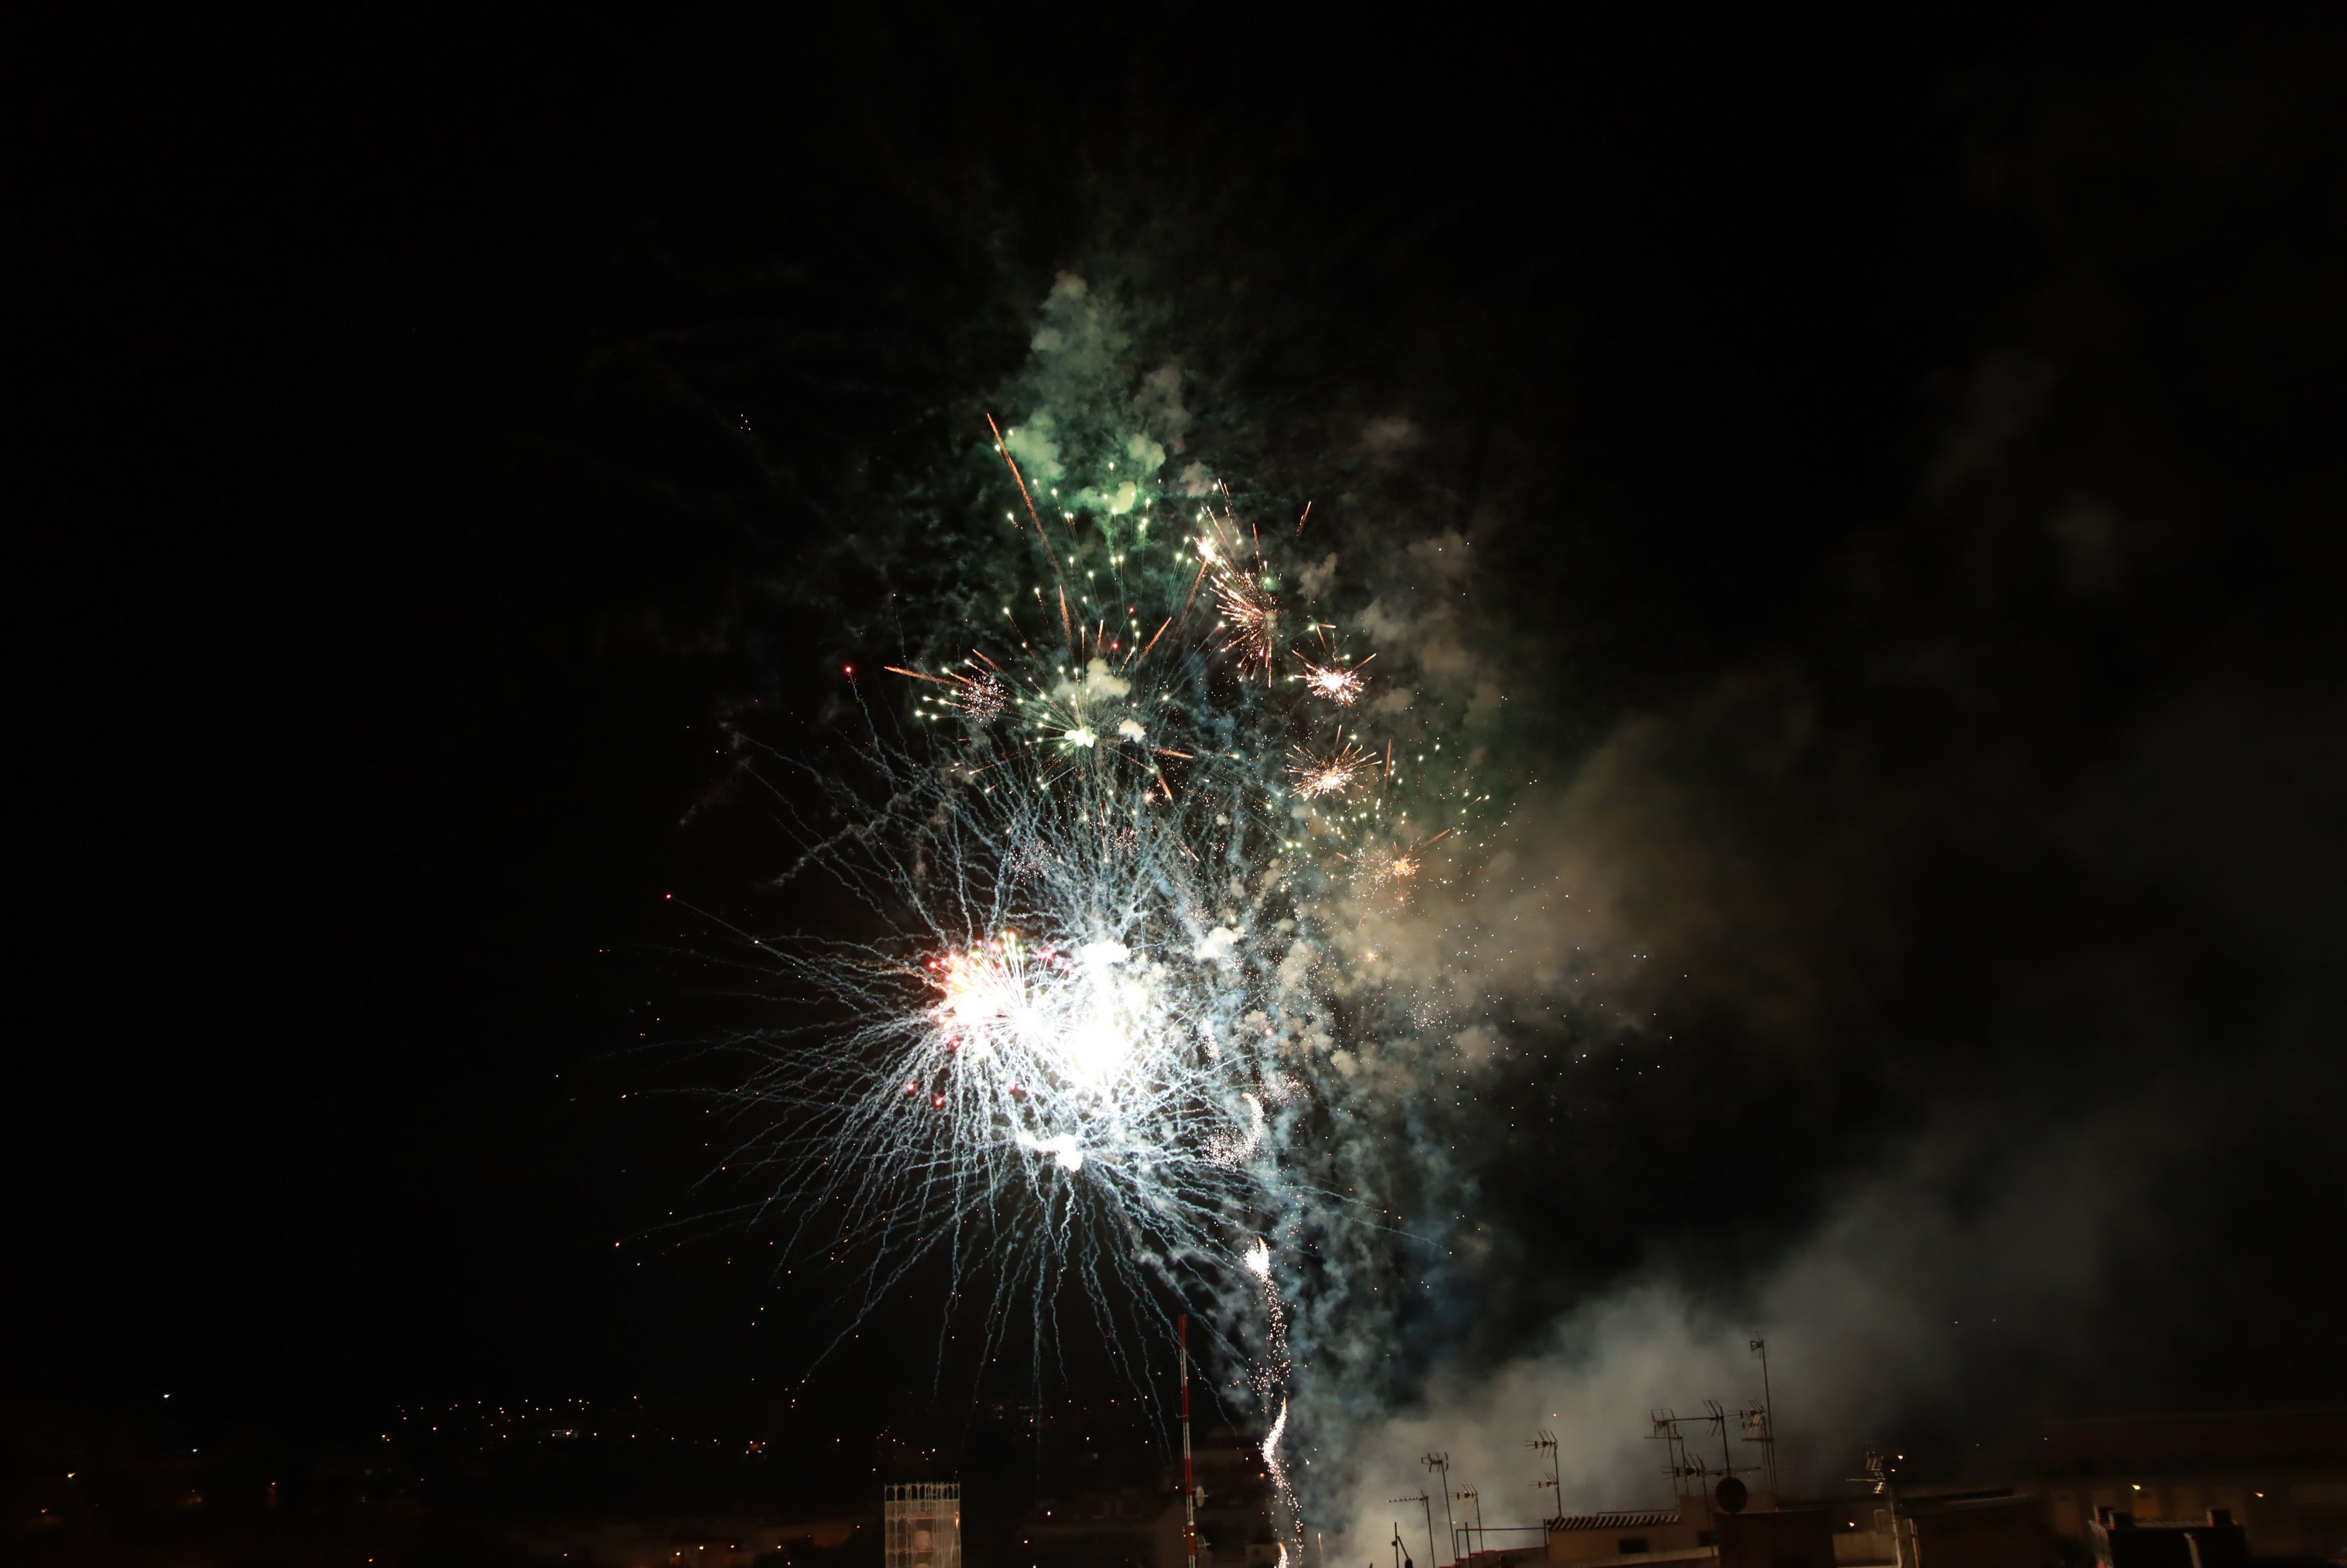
point(1020, 480)
point(1271, 1379)
point(1271, 1461)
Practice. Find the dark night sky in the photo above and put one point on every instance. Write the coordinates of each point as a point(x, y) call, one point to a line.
point(373, 598)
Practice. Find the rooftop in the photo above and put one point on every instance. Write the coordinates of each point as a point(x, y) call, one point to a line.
point(1637, 1518)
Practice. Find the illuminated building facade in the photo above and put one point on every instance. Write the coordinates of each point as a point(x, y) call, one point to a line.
point(921, 1525)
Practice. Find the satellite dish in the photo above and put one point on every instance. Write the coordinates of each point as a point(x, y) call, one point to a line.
point(1730, 1494)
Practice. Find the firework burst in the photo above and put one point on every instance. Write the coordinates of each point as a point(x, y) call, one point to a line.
point(1243, 590)
point(1056, 1065)
point(1092, 1006)
point(1319, 774)
point(1334, 682)
point(1389, 866)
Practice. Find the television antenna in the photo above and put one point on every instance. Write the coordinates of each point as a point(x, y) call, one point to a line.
point(1440, 1464)
point(1554, 1483)
point(1760, 1425)
point(1468, 1494)
point(1427, 1504)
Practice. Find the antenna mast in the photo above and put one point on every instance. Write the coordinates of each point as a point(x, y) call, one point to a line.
point(1440, 1464)
point(1680, 1465)
point(1427, 1504)
point(1189, 1476)
point(1763, 1430)
point(1475, 1540)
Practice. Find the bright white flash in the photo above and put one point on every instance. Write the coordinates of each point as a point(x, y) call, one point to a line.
point(1074, 1021)
point(1067, 1149)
